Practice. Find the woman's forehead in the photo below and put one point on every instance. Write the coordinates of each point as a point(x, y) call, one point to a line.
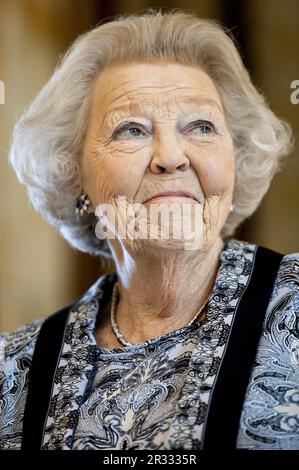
point(121, 87)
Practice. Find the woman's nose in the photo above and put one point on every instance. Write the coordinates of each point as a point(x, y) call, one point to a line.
point(168, 156)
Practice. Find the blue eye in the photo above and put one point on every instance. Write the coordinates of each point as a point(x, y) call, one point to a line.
point(131, 128)
point(205, 127)
point(134, 134)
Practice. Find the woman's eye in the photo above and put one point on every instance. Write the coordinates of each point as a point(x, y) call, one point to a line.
point(128, 131)
point(204, 127)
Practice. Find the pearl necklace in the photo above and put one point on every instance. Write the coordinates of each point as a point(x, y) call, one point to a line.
point(115, 328)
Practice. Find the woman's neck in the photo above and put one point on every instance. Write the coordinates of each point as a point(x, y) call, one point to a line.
point(159, 294)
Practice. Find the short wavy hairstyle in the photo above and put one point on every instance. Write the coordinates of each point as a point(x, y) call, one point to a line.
point(47, 141)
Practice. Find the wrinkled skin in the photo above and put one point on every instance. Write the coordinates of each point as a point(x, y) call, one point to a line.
point(177, 140)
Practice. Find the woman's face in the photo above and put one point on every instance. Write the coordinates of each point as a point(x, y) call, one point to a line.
point(156, 127)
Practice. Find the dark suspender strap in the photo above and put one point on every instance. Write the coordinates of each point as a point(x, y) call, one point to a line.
point(228, 394)
point(44, 362)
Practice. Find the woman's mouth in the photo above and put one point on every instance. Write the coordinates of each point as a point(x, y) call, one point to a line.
point(185, 194)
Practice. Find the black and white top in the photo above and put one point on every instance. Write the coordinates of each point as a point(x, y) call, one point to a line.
point(159, 394)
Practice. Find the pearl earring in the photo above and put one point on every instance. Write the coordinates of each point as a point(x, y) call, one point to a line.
point(82, 203)
point(232, 206)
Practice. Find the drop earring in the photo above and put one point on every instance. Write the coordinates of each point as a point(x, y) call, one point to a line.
point(232, 206)
point(82, 203)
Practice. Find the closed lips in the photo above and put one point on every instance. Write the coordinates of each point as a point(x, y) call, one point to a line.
point(172, 193)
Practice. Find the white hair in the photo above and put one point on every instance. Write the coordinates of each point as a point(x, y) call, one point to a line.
point(47, 141)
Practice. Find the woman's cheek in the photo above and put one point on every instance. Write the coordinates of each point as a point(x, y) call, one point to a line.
point(216, 169)
point(119, 174)
point(210, 178)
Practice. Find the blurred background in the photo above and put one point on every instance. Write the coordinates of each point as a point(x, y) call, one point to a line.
point(39, 272)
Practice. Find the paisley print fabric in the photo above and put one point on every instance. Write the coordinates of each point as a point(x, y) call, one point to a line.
point(14, 374)
point(154, 395)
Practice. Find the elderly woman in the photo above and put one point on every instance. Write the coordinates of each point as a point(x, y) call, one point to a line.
point(149, 145)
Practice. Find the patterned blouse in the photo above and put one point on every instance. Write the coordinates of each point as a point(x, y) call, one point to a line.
point(155, 395)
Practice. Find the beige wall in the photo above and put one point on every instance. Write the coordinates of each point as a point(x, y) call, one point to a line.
point(274, 54)
point(36, 265)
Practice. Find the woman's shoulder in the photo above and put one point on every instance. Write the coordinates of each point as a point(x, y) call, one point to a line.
point(16, 349)
point(20, 341)
point(285, 294)
point(288, 273)
point(287, 277)
point(241, 246)
point(291, 258)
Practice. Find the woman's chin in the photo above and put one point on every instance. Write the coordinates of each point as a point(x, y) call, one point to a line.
point(157, 246)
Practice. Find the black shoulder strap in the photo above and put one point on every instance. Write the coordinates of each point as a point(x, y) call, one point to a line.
point(44, 362)
point(228, 394)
